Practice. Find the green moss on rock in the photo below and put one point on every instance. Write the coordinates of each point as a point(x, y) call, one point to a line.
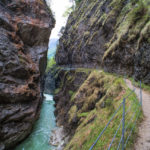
point(109, 34)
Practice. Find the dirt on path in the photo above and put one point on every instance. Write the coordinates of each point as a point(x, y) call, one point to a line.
point(143, 140)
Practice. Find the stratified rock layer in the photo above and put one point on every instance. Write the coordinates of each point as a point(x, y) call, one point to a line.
point(112, 34)
point(25, 28)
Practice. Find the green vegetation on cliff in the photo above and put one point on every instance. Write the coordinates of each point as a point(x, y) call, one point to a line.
point(50, 63)
point(92, 106)
point(133, 22)
point(77, 2)
point(143, 86)
point(112, 34)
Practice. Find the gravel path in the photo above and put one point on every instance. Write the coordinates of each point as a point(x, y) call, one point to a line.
point(143, 140)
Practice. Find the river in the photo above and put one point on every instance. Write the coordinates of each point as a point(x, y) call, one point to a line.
point(39, 139)
point(40, 136)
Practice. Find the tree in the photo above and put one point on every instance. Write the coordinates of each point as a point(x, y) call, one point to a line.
point(75, 2)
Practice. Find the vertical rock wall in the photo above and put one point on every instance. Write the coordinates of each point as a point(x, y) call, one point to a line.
point(112, 34)
point(25, 27)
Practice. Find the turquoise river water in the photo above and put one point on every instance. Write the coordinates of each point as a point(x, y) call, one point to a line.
point(40, 136)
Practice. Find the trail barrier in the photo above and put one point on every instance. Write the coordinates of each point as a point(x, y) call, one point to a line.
point(123, 141)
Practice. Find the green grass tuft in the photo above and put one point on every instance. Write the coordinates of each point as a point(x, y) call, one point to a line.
point(93, 120)
point(137, 84)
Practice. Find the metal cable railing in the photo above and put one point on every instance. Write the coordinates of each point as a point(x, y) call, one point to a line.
point(106, 127)
point(117, 130)
point(122, 142)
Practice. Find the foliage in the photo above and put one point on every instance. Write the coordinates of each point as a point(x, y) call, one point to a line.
point(105, 92)
point(135, 23)
point(70, 9)
point(77, 2)
point(51, 62)
point(68, 12)
point(56, 91)
point(144, 86)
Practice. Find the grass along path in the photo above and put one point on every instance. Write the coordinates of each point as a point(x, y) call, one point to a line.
point(93, 120)
point(143, 140)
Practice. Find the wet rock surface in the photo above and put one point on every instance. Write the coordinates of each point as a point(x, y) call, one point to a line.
point(108, 34)
point(25, 27)
point(50, 78)
point(59, 138)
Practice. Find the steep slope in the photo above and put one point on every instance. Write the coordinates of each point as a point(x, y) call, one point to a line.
point(67, 83)
point(85, 102)
point(112, 34)
point(25, 27)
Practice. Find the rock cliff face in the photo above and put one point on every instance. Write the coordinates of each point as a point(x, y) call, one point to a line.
point(112, 34)
point(25, 27)
point(50, 76)
point(68, 82)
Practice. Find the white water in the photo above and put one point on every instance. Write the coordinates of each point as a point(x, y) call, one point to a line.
point(48, 97)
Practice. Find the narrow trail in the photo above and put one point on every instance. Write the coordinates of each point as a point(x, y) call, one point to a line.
point(143, 140)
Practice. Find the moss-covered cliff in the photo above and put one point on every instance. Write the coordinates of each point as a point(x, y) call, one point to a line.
point(113, 34)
